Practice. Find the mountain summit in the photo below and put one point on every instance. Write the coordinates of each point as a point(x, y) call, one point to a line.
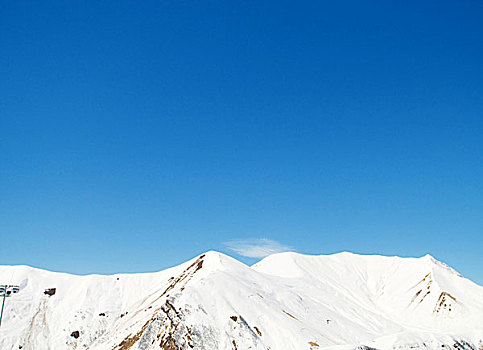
point(285, 301)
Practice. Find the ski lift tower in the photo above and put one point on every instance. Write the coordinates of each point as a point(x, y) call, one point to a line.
point(5, 292)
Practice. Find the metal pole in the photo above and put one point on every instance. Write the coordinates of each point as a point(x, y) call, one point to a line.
point(3, 303)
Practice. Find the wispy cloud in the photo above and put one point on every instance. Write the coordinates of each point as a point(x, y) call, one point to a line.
point(256, 248)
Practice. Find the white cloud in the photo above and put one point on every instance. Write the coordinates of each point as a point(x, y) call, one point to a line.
point(256, 248)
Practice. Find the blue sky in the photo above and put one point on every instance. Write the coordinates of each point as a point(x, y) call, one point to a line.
point(136, 135)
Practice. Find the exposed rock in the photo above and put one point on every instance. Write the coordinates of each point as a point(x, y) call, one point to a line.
point(168, 344)
point(75, 334)
point(50, 291)
point(364, 347)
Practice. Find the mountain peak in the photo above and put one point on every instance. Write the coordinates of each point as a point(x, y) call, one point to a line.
point(286, 301)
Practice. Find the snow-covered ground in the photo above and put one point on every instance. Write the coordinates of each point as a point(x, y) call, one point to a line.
point(286, 301)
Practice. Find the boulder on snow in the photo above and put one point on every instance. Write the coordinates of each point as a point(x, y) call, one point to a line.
point(50, 291)
point(75, 334)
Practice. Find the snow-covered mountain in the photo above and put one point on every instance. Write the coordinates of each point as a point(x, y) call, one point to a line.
point(286, 301)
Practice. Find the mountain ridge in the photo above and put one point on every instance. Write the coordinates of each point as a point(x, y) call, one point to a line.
point(285, 301)
point(215, 252)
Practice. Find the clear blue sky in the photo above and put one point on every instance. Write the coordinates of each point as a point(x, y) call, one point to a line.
point(138, 134)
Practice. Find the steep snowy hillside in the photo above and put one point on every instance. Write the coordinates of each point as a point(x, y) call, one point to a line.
point(286, 301)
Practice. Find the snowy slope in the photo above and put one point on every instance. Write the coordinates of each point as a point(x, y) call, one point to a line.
point(286, 301)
